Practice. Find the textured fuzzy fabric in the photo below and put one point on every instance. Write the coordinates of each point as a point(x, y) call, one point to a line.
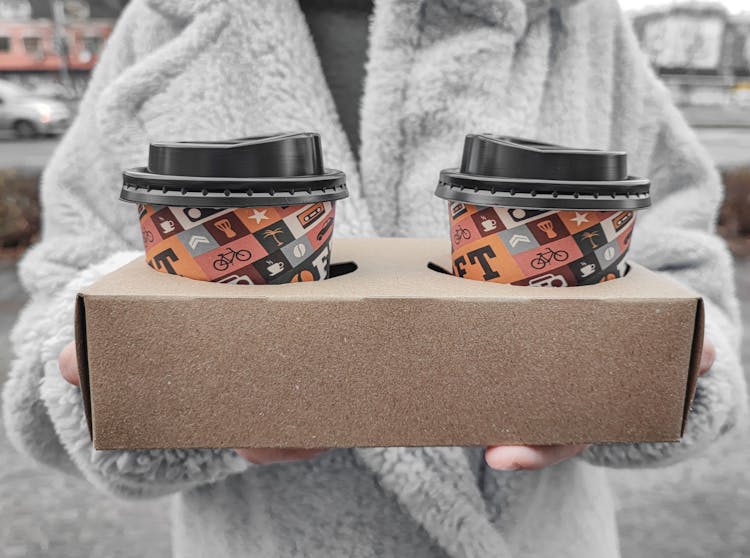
point(549, 69)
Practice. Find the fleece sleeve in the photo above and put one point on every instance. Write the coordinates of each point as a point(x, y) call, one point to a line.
point(677, 236)
point(81, 242)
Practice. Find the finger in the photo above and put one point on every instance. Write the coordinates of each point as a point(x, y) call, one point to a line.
point(69, 364)
point(708, 356)
point(262, 456)
point(510, 458)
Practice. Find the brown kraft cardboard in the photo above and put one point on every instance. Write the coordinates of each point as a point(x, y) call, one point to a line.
point(392, 353)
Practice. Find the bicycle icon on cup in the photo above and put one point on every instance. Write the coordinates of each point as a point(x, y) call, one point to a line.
point(460, 233)
point(544, 258)
point(227, 258)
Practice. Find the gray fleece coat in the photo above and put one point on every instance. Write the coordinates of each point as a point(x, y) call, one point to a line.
point(556, 70)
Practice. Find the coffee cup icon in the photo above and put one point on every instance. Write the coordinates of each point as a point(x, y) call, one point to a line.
point(489, 224)
point(167, 226)
point(275, 268)
point(587, 269)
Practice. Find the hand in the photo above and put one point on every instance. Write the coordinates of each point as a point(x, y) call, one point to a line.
point(68, 363)
point(264, 456)
point(69, 369)
point(510, 458)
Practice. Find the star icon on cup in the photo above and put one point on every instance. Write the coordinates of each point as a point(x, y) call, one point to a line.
point(580, 218)
point(259, 215)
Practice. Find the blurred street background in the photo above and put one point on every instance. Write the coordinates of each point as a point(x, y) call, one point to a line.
point(47, 50)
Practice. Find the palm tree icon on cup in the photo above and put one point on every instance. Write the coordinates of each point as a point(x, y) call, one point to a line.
point(590, 237)
point(273, 233)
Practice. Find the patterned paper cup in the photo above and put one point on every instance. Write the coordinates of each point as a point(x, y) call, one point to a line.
point(246, 245)
point(538, 247)
point(540, 215)
point(250, 212)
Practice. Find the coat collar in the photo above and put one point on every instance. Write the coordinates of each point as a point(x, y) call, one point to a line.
point(407, 35)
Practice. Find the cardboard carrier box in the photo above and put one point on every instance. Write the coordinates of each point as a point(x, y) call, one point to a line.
point(389, 353)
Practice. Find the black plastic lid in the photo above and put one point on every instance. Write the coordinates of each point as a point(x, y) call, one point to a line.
point(283, 169)
point(514, 172)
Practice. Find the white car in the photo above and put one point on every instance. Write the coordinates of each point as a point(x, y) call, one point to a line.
point(28, 115)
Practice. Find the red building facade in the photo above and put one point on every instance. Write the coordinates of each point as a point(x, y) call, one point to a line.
point(32, 46)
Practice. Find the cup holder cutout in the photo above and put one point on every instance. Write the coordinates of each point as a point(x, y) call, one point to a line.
point(342, 268)
point(335, 270)
point(440, 269)
point(550, 283)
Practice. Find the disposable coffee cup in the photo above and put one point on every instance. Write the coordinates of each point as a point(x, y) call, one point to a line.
point(250, 211)
point(537, 214)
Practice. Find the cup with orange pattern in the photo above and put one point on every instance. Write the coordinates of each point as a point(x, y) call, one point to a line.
point(536, 214)
point(249, 211)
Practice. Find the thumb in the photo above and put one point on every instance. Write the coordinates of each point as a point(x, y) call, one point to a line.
point(707, 357)
point(69, 364)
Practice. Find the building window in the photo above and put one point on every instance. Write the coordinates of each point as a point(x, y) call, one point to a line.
point(4, 44)
point(32, 45)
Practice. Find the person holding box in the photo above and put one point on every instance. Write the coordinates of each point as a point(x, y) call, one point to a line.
point(560, 71)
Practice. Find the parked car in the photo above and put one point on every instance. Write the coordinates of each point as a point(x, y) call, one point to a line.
point(29, 115)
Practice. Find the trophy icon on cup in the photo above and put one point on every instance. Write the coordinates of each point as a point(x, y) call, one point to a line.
point(547, 228)
point(225, 226)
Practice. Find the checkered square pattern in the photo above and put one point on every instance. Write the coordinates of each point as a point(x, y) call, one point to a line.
point(244, 246)
point(538, 247)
